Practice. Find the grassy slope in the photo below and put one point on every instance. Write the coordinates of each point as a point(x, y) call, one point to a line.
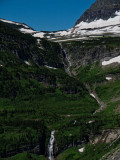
point(30, 108)
point(25, 156)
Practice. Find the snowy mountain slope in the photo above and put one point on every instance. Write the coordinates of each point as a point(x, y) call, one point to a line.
point(98, 27)
point(20, 26)
point(89, 25)
point(101, 9)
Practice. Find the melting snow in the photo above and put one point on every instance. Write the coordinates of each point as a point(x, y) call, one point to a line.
point(24, 30)
point(81, 150)
point(113, 60)
point(91, 122)
point(50, 67)
point(39, 34)
point(108, 78)
point(27, 63)
point(100, 23)
point(92, 95)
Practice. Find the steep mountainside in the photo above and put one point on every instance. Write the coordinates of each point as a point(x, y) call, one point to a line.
point(101, 9)
point(37, 98)
point(61, 100)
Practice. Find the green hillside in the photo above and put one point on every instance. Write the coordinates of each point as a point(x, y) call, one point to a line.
point(36, 99)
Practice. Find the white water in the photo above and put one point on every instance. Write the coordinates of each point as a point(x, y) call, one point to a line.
point(68, 61)
point(50, 146)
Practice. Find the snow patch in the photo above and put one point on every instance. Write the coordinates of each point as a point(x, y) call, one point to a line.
point(24, 30)
point(108, 78)
point(26, 62)
point(112, 60)
point(81, 150)
point(39, 34)
point(100, 22)
point(117, 13)
point(92, 95)
point(50, 67)
point(91, 122)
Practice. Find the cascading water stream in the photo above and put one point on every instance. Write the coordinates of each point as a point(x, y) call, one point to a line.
point(51, 146)
point(68, 61)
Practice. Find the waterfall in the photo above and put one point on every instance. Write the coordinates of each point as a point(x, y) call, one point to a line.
point(68, 61)
point(51, 145)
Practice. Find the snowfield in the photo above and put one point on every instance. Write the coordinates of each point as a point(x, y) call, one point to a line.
point(39, 34)
point(113, 60)
point(50, 67)
point(81, 150)
point(100, 22)
point(24, 30)
point(108, 78)
point(28, 63)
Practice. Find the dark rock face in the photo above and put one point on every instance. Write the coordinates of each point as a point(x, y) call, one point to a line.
point(101, 9)
point(81, 56)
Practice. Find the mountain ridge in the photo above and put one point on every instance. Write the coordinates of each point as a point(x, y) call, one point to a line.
point(102, 18)
point(101, 9)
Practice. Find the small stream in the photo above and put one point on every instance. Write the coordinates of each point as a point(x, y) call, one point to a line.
point(51, 146)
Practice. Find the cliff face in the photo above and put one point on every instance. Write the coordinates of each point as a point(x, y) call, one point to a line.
point(101, 9)
point(86, 52)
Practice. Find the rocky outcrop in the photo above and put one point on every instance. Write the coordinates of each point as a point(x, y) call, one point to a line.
point(81, 55)
point(101, 9)
point(109, 136)
point(114, 156)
